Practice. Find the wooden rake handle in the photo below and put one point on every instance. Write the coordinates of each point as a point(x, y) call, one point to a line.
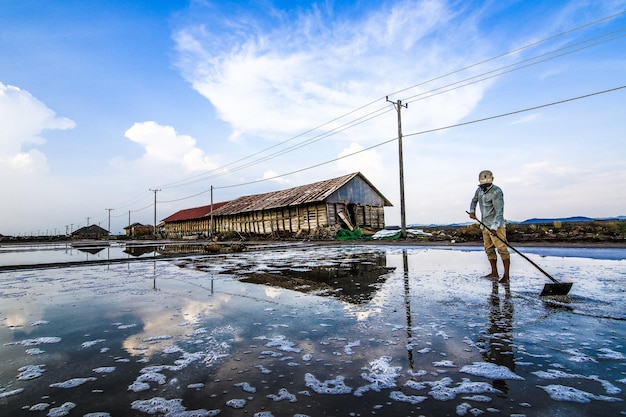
point(518, 252)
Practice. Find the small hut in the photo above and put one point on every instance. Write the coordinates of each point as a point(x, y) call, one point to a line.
point(90, 232)
point(137, 230)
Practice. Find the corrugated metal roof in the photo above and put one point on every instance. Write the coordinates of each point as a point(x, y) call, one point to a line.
point(91, 229)
point(130, 226)
point(304, 194)
point(194, 213)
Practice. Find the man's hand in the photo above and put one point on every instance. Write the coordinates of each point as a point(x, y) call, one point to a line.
point(472, 216)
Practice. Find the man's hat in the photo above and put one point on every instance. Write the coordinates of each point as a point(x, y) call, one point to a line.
point(485, 177)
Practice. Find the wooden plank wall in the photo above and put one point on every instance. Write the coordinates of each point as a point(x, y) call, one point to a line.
point(285, 219)
point(370, 216)
point(192, 227)
point(266, 222)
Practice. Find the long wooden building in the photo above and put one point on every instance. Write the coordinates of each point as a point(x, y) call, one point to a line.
point(345, 202)
point(193, 222)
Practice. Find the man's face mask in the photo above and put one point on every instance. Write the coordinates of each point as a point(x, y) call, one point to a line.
point(484, 186)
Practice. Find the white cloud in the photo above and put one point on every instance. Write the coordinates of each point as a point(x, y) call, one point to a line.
point(526, 119)
point(165, 147)
point(297, 75)
point(29, 162)
point(547, 174)
point(23, 167)
point(369, 163)
point(23, 119)
point(275, 176)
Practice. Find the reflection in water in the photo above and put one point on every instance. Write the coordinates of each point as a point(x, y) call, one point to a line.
point(158, 327)
point(139, 250)
point(351, 277)
point(407, 302)
point(182, 249)
point(93, 251)
point(499, 342)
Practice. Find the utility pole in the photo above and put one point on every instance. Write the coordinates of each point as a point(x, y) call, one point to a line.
point(155, 190)
point(87, 221)
point(398, 105)
point(109, 228)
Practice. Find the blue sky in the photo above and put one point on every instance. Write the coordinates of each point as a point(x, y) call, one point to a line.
point(102, 101)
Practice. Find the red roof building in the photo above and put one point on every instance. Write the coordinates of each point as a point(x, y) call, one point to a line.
point(190, 222)
point(348, 202)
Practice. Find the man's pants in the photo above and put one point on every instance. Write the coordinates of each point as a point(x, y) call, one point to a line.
point(492, 244)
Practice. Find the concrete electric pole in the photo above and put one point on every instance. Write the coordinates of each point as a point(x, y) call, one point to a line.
point(398, 105)
point(109, 227)
point(156, 236)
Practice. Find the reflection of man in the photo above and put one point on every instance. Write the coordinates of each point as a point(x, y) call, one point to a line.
point(499, 344)
point(491, 200)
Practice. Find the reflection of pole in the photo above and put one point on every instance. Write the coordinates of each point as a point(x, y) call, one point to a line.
point(407, 303)
point(154, 274)
point(398, 105)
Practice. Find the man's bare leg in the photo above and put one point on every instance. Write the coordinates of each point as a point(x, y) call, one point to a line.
point(507, 267)
point(494, 269)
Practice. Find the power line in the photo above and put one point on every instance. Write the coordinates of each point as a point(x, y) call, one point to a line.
point(514, 51)
point(515, 67)
point(310, 141)
point(410, 134)
point(131, 201)
point(484, 119)
point(436, 91)
point(222, 170)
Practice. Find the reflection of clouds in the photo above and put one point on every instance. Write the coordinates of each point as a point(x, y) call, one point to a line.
point(272, 292)
point(16, 320)
point(175, 322)
point(27, 319)
point(360, 313)
point(194, 309)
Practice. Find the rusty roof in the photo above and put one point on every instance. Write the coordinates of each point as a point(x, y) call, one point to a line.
point(193, 213)
point(304, 194)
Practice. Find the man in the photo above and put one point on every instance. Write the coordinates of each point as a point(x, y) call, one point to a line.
point(491, 201)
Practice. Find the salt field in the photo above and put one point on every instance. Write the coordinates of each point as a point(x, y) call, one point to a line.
point(346, 330)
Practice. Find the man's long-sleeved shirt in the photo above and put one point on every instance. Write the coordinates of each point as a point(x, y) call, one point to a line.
point(491, 203)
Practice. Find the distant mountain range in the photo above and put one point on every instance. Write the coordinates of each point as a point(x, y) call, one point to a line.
point(572, 220)
point(529, 221)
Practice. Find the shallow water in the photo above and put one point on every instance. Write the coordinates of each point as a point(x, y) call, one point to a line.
point(47, 253)
point(350, 330)
point(90, 252)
